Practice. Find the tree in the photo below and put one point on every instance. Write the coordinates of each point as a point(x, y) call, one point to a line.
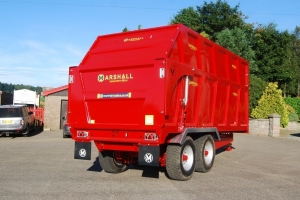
point(271, 102)
point(295, 51)
point(125, 29)
point(273, 55)
point(211, 18)
point(189, 17)
point(215, 17)
point(256, 89)
point(236, 41)
point(9, 88)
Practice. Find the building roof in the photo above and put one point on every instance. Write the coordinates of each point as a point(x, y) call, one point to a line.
point(54, 90)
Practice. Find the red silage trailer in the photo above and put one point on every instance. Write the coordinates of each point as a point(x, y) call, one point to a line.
point(162, 96)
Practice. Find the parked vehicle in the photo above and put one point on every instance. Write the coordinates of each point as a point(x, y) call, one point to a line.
point(16, 119)
point(162, 96)
point(66, 128)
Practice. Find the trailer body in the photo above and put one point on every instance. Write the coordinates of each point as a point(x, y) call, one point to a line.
point(141, 95)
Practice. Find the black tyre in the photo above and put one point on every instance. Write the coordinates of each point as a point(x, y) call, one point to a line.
point(26, 132)
point(205, 153)
point(180, 162)
point(109, 164)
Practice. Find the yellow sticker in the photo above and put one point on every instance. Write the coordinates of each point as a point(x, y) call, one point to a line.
point(193, 83)
point(192, 47)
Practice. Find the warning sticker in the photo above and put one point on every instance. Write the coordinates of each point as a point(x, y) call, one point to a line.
point(114, 95)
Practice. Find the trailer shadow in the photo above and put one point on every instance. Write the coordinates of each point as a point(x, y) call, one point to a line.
point(223, 149)
point(96, 167)
point(36, 131)
point(295, 134)
point(147, 171)
point(150, 172)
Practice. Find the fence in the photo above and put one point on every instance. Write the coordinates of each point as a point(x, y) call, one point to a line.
point(266, 127)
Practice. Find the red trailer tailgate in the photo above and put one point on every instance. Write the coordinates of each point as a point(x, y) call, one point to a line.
point(126, 98)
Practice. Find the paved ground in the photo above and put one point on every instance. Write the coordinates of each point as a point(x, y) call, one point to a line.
point(290, 134)
point(42, 167)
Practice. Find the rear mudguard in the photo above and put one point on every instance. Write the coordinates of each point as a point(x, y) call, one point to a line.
point(82, 150)
point(179, 139)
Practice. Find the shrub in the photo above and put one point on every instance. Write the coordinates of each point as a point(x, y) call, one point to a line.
point(289, 109)
point(291, 113)
point(293, 117)
point(271, 102)
point(295, 103)
point(257, 86)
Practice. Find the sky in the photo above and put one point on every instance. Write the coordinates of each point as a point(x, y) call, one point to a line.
point(41, 39)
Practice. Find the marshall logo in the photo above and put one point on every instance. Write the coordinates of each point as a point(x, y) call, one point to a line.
point(114, 78)
point(133, 39)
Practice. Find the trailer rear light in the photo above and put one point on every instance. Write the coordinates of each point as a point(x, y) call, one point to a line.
point(149, 119)
point(151, 136)
point(82, 134)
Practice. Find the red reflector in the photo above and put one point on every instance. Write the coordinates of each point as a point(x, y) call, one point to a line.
point(82, 133)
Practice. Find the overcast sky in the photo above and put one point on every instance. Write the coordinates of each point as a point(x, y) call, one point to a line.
point(39, 40)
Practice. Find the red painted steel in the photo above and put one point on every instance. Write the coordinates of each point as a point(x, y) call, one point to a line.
point(38, 114)
point(133, 84)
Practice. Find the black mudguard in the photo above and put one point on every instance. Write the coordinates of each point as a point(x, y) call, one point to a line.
point(82, 150)
point(149, 155)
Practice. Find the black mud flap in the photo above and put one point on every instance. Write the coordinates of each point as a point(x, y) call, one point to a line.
point(82, 150)
point(149, 155)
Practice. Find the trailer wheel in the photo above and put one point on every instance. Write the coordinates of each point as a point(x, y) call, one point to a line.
point(205, 153)
point(180, 162)
point(109, 164)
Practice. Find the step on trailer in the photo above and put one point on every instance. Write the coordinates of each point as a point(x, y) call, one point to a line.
point(163, 96)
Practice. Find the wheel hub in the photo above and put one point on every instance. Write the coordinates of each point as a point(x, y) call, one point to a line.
point(206, 152)
point(184, 157)
point(187, 158)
